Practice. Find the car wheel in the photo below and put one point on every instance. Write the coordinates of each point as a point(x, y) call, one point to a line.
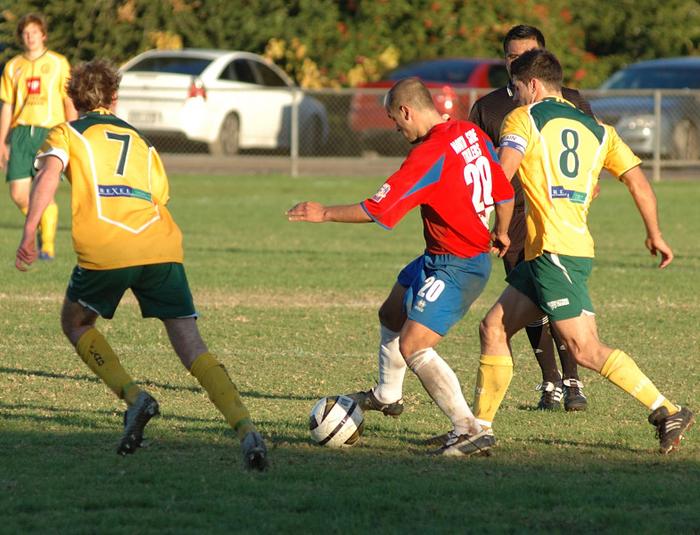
point(686, 143)
point(310, 138)
point(227, 142)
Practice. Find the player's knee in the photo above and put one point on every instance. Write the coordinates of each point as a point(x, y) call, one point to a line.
point(491, 331)
point(410, 345)
point(72, 328)
point(406, 348)
point(587, 354)
point(390, 318)
point(20, 199)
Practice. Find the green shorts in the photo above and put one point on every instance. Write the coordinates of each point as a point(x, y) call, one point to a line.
point(161, 290)
point(557, 284)
point(25, 142)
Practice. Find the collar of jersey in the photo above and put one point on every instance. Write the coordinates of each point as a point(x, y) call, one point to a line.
point(24, 55)
point(99, 111)
point(558, 99)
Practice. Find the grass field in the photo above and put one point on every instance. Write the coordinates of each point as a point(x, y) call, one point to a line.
point(291, 310)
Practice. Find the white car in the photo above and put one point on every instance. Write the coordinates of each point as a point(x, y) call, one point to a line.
point(229, 100)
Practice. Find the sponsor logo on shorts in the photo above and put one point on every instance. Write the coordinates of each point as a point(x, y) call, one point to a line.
point(420, 305)
point(383, 192)
point(558, 303)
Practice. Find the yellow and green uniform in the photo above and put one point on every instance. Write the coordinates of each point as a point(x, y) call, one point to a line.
point(119, 193)
point(125, 238)
point(563, 151)
point(36, 89)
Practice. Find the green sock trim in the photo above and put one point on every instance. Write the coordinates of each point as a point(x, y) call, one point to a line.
point(241, 423)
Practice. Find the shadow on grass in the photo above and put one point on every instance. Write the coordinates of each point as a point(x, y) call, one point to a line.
point(147, 383)
point(196, 482)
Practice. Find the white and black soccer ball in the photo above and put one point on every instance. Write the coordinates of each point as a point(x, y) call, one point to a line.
point(336, 421)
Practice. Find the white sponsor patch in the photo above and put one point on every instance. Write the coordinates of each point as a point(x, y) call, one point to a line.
point(383, 192)
point(558, 303)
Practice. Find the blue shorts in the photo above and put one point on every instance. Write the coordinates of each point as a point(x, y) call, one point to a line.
point(441, 288)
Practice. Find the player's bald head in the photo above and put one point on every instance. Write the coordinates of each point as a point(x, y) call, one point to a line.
point(409, 92)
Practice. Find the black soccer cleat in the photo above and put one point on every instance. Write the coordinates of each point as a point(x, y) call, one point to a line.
point(550, 398)
point(368, 402)
point(467, 445)
point(135, 419)
point(574, 400)
point(254, 452)
point(670, 428)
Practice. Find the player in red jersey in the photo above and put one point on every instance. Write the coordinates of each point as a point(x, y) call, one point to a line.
point(453, 175)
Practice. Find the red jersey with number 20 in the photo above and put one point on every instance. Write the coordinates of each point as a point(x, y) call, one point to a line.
point(455, 177)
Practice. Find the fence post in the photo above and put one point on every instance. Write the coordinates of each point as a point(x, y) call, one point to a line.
point(294, 140)
point(656, 175)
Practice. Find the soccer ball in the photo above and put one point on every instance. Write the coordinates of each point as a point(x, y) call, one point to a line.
point(336, 421)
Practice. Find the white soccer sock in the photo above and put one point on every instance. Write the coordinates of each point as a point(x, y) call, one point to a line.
point(392, 368)
point(442, 384)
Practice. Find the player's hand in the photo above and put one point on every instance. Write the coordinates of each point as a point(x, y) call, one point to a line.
point(657, 245)
point(310, 211)
point(4, 156)
point(26, 253)
point(499, 244)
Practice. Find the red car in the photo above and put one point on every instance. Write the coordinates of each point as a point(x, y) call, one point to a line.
point(448, 80)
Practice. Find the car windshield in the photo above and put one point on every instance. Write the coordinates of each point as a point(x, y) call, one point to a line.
point(436, 71)
point(657, 78)
point(192, 66)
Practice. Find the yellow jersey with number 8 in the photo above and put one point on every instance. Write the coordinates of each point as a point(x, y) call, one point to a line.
point(119, 193)
point(563, 151)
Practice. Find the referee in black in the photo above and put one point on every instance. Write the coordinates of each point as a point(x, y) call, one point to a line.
point(488, 112)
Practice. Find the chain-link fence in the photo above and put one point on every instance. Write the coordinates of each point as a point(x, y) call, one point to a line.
point(661, 126)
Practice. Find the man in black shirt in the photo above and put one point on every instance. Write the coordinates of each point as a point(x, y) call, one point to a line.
point(488, 112)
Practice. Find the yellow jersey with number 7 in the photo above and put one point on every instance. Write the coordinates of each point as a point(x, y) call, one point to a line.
point(119, 193)
point(563, 151)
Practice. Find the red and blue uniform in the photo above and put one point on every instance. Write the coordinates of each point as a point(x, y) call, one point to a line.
point(454, 175)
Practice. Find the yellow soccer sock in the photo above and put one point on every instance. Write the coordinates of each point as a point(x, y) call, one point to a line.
point(492, 381)
point(222, 392)
point(101, 359)
point(49, 223)
point(622, 371)
point(24, 210)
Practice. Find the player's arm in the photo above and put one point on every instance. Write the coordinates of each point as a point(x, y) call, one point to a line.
point(45, 185)
point(315, 212)
point(509, 159)
point(645, 199)
point(5, 121)
point(500, 242)
point(69, 109)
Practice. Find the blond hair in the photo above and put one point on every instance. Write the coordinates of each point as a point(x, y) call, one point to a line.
point(93, 84)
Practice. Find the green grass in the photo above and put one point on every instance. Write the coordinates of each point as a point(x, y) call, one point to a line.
point(291, 310)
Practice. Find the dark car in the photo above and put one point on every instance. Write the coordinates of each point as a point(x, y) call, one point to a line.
point(448, 80)
point(632, 114)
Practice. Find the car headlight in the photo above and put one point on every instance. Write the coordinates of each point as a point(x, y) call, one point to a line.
point(637, 122)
